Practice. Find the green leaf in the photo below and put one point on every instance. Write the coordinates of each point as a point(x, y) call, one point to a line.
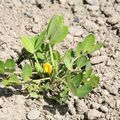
point(40, 39)
point(77, 80)
point(81, 62)
point(40, 56)
point(83, 90)
point(38, 67)
point(2, 67)
point(95, 47)
point(57, 56)
point(28, 44)
point(10, 65)
point(88, 42)
point(33, 95)
point(94, 81)
point(56, 31)
point(70, 84)
point(68, 59)
point(26, 72)
point(79, 49)
point(12, 81)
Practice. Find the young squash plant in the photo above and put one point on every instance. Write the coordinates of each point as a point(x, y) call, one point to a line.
point(51, 74)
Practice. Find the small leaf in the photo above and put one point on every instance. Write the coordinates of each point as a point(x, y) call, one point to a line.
point(10, 65)
point(83, 90)
point(94, 81)
point(68, 59)
point(2, 67)
point(26, 72)
point(81, 62)
point(57, 56)
point(12, 81)
point(34, 95)
point(79, 49)
point(40, 56)
point(77, 80)
point(95, 47)
point(70, 84)
point(88, 42)
point(40, 39)
point(28, 44)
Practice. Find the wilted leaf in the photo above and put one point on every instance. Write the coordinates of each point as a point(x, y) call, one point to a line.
point(26, 72)
point(83, 90)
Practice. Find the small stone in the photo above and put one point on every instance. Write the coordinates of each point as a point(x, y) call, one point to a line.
point(112, 89)
point(72, 110)
point(92, 2)
point(81, 107)
point(62, 1)
point(1, 102)
point(95, 105)
point(76, 19)
point(33, 2)
point(100, 21)
point(93, 7)
point(36, 19)
point(76, 31)
point(104, 109)
point(28, 102)
point(94, 114)
point(28, 14)
point(118, 103)
point(33, 115)
point(35, 29)
point(98, 59)
point(105, 93)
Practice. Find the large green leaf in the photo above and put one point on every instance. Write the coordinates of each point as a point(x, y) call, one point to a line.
point(10, 65)
point(26, 72)
point(28, 43)
point(88, 42)
point(81, 62)
point(12, 81)
point(83, 90)
point(70, 84)
point(40, 39)
point(2, 67)
point(68, 59)
point(56, 31)
point(77, 80)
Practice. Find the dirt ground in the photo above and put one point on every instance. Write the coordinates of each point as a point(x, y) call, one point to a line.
point(101, 17)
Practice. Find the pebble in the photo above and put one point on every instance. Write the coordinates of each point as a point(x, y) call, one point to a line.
point(76, 31)
point(62, 1)
point(35, 29)
point(92, 2)
point(95, 105)
point(112, 89)
point(94, 114)
point(104, 109)
point(93, 7)
point(98, 59)
point(76, 19)
point(118, 104)
point(72, 110)
point(28, 102)
point(81, 107)
point(1, 102)
point(33, 114)
point(36, 19)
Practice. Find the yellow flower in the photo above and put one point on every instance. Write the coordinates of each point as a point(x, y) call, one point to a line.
point(47, 67)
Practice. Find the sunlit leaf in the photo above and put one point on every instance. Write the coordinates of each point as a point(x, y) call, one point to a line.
point(10, 65)
point(79, 49)
point(82, 91)
point(26, 72)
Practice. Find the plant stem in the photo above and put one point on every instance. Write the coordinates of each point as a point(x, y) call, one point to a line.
point(36, 58)
point(51, 54)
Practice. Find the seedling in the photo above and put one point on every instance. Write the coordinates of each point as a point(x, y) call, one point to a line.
point(51, 74)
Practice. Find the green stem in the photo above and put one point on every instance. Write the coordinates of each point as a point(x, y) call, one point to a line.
point(36, 58)
point(51, 54)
